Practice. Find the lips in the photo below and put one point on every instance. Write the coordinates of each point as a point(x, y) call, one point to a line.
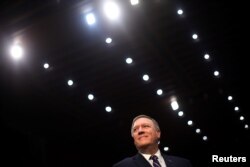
point(142, 137)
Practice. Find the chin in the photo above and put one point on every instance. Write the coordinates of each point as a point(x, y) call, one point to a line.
point(143, 145)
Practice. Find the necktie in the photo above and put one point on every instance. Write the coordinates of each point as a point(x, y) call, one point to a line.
point(156, 163)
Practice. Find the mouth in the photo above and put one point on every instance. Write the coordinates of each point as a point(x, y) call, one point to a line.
point(142, 137)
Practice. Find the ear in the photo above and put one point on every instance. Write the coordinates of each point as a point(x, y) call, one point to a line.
point(158, 133)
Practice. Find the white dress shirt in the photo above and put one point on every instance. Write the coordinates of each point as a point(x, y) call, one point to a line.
point(160, 158)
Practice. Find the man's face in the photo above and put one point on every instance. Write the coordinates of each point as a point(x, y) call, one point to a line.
point(145, 133)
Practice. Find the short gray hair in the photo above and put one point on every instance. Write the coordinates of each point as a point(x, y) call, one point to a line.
point(148, 117)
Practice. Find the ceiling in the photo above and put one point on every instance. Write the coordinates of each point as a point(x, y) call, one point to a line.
point(46, 122)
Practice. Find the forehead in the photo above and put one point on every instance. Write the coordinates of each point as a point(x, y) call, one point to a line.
point(142, 121)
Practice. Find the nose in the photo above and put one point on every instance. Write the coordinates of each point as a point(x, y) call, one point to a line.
point(140, 130)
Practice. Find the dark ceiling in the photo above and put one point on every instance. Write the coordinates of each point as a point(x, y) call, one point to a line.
point(47, 123)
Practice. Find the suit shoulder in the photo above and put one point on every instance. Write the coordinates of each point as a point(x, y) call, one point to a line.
point(124, 163)
point(178, 160)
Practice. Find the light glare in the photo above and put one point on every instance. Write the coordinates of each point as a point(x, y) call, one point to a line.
point(190, 122)
point(216, 73)
point(204, 138)
point(180, 113)
point(174, 105)
point(134, 2)
point(91, 97)
point(129, 60)
point(111, 10)
point(180, 12)
point(145, 77)
point(198, 130)
point(166, 148)
point(46, 65)
point(108, 109)
point(70, 82)
point(195, 36)
point(90, 18)
point(16, 52)
point(230, 98)
point(206, 56)
point(159, 92)
point(108, 40)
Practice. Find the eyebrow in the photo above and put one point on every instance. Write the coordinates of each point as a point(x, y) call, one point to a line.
point(143, 124)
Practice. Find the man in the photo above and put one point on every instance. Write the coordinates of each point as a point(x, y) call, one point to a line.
point(146, 134)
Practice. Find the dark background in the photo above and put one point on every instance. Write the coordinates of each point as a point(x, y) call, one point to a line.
point(47, 123)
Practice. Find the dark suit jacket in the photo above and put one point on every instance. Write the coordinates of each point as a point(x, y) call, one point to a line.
point(139, 161)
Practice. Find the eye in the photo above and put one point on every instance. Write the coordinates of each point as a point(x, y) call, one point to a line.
point(135, 129)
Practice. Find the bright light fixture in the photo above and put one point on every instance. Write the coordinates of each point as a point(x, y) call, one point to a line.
point(70, 82)
point(159, 92)
point(204, 138)
point(230, 98)
point(180, 12)
point(190, 122)
point(174, 105)
point(216, 73)
point(180, 113)
point(206, 56)
point(198, 130)
point(134, 2)
point(108, 109)
point(129, 60)
point(46, 65)
point(16, 52)
point(91, 97)
point(111, 10)
point(90, 18)
point(108, 40)
point(166, 148)
point(145, 77)
point(194, 36)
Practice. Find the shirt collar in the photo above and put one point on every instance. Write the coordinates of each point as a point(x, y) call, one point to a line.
point(147, 156)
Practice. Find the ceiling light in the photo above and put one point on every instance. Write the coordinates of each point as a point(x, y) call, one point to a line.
point(204, 138)
point(108, 109)
point(159, 92)
point(90, 18)
point(230, 98)
point(145, 77)
point(46, 65)
point(198, 130)
point(180, 113)
point(108, 40)
point(206, 56)
point(70, 82)
point(174, 105)
point(91, 97)
point(16, 52)
point(134, 2)
point(195, 36)
point(111, 10)
point(129, 60)
point(180, 12)
point(190, 122)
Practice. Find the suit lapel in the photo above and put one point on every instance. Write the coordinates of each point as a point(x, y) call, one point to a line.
point(140, 161)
